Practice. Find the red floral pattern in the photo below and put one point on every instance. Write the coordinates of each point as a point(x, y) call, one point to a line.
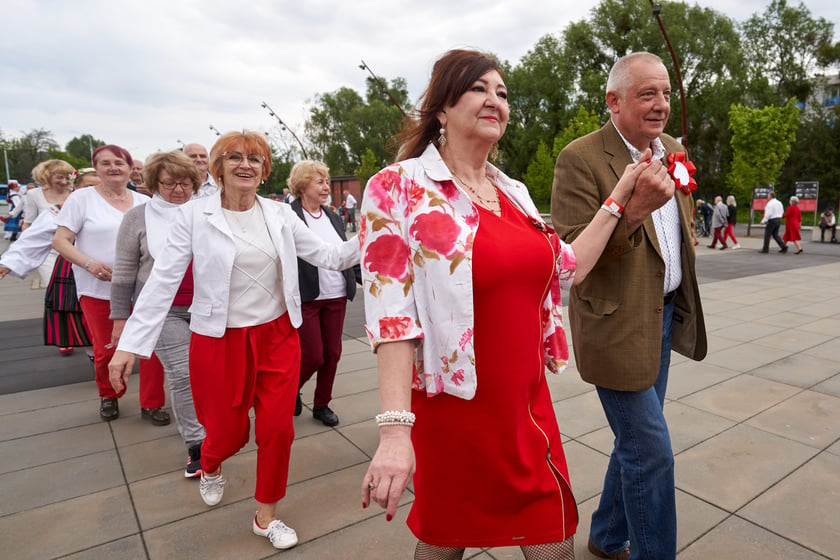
point(388, 256)
point(417, 238)
point(394, 328)
point(437, 232)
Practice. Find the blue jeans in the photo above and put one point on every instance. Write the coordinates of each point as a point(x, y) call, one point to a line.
point(638, 503)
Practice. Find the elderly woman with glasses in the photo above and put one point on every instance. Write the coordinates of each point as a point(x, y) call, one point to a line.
point(244, 349)
point(172, 178)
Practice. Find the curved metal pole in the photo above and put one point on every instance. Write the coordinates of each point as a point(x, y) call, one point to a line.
point(382, 87)
point(284, 126)
point(656, 9)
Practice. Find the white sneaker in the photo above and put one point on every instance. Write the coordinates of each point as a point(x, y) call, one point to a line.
point(212, 489)
point(281, 535)
point(736, 246)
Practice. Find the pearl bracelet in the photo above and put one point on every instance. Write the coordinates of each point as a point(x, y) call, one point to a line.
point(395, 418)
point(87, 264)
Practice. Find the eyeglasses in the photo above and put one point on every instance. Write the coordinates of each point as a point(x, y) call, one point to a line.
point(185, 184)
point(235, 158)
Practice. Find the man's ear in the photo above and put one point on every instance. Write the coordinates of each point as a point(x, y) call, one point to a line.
point(613, 101)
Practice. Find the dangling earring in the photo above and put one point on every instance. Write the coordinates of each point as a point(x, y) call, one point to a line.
point(494, 153)
point(442, 137)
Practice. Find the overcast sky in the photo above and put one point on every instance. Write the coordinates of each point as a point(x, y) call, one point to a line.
point(146, 74)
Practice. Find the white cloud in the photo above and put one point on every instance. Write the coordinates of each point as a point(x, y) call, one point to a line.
point(146, 74)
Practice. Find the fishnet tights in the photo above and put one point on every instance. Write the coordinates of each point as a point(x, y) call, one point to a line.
point(564, 550)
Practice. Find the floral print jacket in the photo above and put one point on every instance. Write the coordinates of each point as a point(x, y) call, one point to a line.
point(417, 232)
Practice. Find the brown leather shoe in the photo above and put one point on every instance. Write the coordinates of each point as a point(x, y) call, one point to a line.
point(620, 555)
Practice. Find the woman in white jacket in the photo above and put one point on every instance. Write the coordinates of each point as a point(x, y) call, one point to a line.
point(244, 349)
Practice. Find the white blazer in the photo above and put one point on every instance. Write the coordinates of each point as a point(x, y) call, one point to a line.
point(201, 235)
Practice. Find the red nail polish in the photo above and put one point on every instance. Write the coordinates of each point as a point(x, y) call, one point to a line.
point(389, 517)
point(364, 505)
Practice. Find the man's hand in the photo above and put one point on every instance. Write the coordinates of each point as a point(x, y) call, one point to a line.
point(654, 187)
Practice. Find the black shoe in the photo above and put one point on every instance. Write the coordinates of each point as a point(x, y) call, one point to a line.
point(783, 249)
point(799, 251)
point(109, 409)
point(325, 415)
point(834, 241)
point(724, 247)
point(298, 406)
point(710, 246)
point(193, 469)
point(157, 416)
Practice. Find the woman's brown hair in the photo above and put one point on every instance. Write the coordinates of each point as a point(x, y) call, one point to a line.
point(452, 75)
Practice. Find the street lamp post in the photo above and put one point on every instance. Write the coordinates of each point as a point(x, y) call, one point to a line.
point(284, 126)
point(381, 85)
point(656, 8)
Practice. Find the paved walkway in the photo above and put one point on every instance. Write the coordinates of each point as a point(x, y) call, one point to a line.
point(755, 428)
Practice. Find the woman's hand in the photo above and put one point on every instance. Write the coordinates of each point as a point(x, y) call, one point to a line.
point(100, 270)
point(391, 469)
point(3, 272)
point(119, 369)
point(653, 187)
point(116, 332)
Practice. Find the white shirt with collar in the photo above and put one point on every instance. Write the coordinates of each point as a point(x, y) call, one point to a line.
point(774, 209)
point(201, 235)
point(666, 221)
point(207, 188)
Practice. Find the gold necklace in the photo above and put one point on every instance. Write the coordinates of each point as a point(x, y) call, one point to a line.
point(492, 205)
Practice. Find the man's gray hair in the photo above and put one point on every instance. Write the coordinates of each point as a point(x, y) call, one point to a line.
point(619, 76)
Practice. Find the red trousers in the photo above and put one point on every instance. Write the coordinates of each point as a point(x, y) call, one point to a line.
point(320, 344)
point(97, 313)
point(248, 366)
point(729, 232)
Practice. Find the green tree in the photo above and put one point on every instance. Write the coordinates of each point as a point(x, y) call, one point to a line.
point(342, 125)
point(761, 143)
point(27, 151)
point(816, 153)
point(540, 174)
point(711, 62)
point(785, 45)
point(81, 147)
point(369, 166)
point(540, 98)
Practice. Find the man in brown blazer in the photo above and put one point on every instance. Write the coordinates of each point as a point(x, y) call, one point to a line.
point(639, 302)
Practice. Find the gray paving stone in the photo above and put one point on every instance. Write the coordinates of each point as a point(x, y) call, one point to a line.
point(737, 539)
point(74, 525)
point(803, 507)
point(50, 447)
point(730, 470)
point(55, 482)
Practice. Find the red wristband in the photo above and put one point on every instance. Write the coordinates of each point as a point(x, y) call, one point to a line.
point(613, 204)
point(613, 207)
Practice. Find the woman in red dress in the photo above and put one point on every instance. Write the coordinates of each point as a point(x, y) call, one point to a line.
point(793, 223)
point(462, 286)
